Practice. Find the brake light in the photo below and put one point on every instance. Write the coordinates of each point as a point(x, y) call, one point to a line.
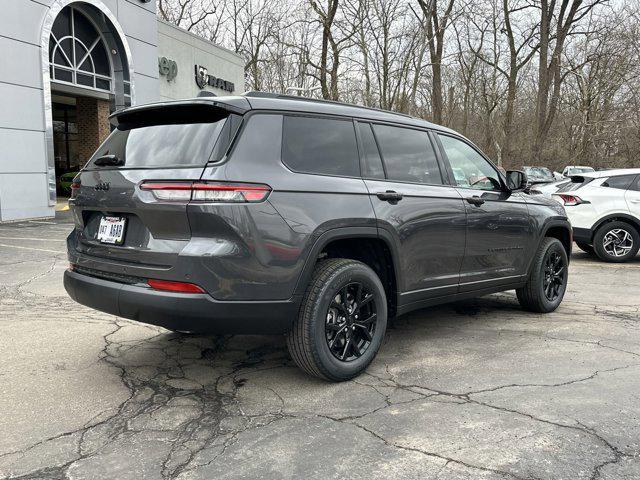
point(571, 200)
point(169, 286)
point(207, 192)
point(75, 186)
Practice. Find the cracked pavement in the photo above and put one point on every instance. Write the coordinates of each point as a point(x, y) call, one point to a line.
point(478, 389)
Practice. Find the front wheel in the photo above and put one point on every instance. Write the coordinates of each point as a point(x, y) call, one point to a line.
point(547, 281)
point(341, 322)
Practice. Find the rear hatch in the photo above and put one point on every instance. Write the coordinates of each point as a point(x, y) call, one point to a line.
point(118, 220)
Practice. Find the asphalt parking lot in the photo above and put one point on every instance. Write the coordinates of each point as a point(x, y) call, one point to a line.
point(478, 389)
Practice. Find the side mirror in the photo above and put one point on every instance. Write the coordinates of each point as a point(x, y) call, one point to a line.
point(517, 180)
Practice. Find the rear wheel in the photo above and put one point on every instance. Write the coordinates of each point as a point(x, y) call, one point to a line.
point(342, 321)
point(616, 242)
point(547, 280)
point(585, 247)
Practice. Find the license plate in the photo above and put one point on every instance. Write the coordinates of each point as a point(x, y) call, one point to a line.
point(111, 230)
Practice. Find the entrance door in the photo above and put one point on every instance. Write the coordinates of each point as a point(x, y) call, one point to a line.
point(499, 233)
point(65, 142)
point(632, 197)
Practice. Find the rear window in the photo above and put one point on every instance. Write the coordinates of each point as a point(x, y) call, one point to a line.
point(154, 146)
point(325, 146)
point(574, 184)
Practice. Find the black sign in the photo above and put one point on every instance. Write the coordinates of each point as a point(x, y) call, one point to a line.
point(203, 79)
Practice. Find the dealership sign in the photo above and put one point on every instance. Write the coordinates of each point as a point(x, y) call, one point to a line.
point(203, 79)
point(168, 68)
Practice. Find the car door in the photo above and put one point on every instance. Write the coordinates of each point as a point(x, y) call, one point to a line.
point(412, 203)
point(632, 196)
point(500, 236)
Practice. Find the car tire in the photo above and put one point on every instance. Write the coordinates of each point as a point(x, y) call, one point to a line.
point(547, 282)
point(585, 247)
point(616, 231)
point(328, 327)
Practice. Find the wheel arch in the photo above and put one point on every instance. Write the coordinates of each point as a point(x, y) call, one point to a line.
point(615, 217)
point(364, 244)
point(556, 228)
point(562, 231)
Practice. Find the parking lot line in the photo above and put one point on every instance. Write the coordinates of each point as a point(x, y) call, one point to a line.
point(36, 239)
point(30, 248)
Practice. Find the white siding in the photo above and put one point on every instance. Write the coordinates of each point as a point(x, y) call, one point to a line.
point(22, 151)
point(22, 108)
point(23, 196)
point(188, 50)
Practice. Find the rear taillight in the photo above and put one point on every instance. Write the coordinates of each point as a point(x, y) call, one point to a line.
point(571, 200)
point(169, 286)
point(75, 186)
point(207, 192)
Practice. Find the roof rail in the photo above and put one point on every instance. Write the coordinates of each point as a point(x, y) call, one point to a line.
point(256, 94)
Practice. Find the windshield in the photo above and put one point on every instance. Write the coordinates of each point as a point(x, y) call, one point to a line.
point(155, 146)
point(579, 170)
point(541, 172)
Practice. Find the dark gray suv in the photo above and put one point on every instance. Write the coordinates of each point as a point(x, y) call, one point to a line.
point(266, 214)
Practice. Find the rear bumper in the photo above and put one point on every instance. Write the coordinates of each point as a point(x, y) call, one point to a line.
point(180, 311)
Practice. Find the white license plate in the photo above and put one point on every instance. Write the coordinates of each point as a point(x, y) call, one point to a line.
point(111, 230)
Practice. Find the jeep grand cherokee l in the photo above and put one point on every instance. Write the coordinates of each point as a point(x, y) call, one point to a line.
point(266, 214)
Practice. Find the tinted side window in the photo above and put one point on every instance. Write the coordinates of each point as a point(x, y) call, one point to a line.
point(408, 155)
point(320, 145)
point(372, 167)
point(621, 182)
point(470, 169)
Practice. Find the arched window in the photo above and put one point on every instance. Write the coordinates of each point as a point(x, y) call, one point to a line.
point(78, 53)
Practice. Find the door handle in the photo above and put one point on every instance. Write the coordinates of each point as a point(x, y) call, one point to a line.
point(635, 200)
point(389, 196)
point(475, 200)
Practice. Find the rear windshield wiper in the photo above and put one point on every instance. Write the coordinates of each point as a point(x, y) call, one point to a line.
point(108, 160)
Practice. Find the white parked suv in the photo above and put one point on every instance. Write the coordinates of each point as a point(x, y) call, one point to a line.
point(604, 210)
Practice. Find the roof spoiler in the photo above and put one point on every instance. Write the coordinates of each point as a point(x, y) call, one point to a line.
point(171, 113)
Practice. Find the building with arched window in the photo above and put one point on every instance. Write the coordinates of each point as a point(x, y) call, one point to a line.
point(66, 66)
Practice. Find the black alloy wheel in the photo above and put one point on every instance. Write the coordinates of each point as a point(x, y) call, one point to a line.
point(342, 320)
point(554, 275)
point(351, 322)
point(548, 278)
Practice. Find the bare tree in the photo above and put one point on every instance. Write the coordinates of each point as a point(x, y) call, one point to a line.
point(203, 17)
point(557, 22)
point(437, 21)
point(552, 82)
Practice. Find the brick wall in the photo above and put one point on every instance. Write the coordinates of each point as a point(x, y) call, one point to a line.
point(93, 125)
